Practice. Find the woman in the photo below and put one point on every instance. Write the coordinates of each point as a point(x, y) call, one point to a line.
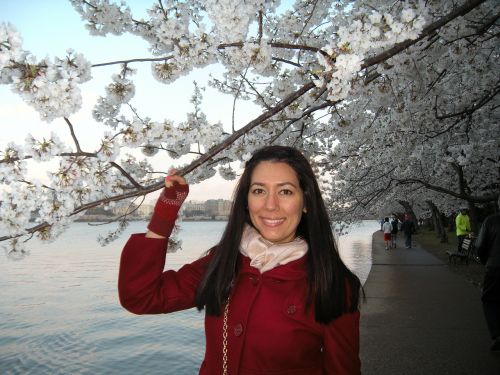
point(277, 297)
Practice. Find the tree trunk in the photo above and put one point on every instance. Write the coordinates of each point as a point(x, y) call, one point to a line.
point(444, 237)
point(437, 219)
point(435, 214)
point(473, 216)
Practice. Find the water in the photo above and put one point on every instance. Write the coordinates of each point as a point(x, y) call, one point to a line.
point(59, 311)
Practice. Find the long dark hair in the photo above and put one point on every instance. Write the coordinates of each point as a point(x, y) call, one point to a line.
point(334, 288)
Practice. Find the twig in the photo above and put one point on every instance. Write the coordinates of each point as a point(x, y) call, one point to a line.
point(73, 135)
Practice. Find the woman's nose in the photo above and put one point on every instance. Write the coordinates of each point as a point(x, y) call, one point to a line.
point(271, 202)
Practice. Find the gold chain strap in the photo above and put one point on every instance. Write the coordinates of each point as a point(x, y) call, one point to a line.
point(224, 339)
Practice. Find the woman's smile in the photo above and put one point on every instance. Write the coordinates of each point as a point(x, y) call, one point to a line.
point(272, 222)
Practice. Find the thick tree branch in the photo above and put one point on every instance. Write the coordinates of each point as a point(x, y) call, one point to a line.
point(456, 12)
point(466, 197)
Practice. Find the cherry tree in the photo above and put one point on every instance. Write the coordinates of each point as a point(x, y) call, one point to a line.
point(428, 130)
point(334, 78)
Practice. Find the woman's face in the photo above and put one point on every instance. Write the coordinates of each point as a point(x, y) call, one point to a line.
point(275, 201)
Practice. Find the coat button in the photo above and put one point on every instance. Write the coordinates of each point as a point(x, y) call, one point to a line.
point(291, 309)
point(254, 280)
point(238, 329)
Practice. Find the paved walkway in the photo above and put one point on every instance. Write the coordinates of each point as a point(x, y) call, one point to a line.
point(421, 318)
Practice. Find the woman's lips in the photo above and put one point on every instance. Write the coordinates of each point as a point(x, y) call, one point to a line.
point(272, 222)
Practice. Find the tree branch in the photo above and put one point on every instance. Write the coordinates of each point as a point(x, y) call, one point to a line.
point(138, 186)
point(195, 164)
point(469, 110)
point(73, 135)
point(147, 59)
point(463, 196)
point(456, 12)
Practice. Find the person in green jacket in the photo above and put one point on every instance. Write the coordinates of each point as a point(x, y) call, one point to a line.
point(462, 224)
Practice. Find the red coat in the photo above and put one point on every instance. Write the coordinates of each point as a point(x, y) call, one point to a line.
point(269, 331)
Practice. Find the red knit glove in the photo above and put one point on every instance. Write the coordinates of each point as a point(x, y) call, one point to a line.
point(163, 220)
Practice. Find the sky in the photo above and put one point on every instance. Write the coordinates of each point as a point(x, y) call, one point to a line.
point(49, 28)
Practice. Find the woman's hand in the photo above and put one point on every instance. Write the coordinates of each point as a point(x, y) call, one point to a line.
point(173, 178)
point(165, 212)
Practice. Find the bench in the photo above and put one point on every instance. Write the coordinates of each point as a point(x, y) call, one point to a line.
point(467, 251)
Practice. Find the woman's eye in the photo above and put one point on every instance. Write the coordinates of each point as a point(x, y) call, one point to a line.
point(257, 191)
point(286, 192)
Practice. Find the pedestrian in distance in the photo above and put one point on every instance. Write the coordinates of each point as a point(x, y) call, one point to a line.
point(276, 295)
point(387, 228)
point(488, 249)
point(394, 231)
point(408, 228)
point(462, 227)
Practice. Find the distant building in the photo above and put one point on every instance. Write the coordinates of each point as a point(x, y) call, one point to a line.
point(130, 210)
point(217, 207)
point(97, 214)
point(193, 209)
point(145, 211)
point(212, 209)
point(99, 210)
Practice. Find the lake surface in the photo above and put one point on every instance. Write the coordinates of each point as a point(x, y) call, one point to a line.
point(59, 311)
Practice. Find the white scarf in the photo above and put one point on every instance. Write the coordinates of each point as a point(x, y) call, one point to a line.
point(266, 255)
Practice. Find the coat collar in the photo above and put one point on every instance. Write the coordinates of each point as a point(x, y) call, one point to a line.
point(294, 270)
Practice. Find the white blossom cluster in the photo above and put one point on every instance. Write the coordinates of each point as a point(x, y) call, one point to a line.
point(22, 202)
point(257, 55)
point(174, 30)
point(178, 32)
point(120, 91)
point(10, 45)
point(232, 19)
point(106, 112)
point(227, 172)
point(201, 174)
point(13, 167)
point(16, 249)
point(112, 235)
point(110, 148)
point(150, 136)
point(44, 150)
point(356, 40)
point(51, 87)
point(17, 204)
point(103, 16)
